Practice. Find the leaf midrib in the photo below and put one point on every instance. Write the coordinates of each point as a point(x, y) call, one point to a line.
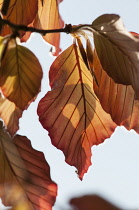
point(81, 82)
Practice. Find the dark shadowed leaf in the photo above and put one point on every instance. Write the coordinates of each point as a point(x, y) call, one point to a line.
point(20, 75)
point(10, 114)
point(48, 18)
point(87, 55)
point(82, 51)
point(118, 50)
point(71, 112)
point(5, 7)
point(92, 202)
point(20, 12)
point(90, 54)
point(24, 175)
point(116, 99)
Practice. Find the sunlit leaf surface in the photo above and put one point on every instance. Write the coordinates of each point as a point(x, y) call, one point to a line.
point(20, 12)
point(116, 99)
point(71, 112)
point(20, 75)
point(24, 175)
point(48, 18)
point(10, 115)
point(118, 50)
point(3, 45)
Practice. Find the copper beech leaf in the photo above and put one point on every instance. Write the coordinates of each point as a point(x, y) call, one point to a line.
point(87, 55)
point(118, 50)
point(24, 175)
point(71, 111)
point(5, 7)
point(83, 52)
point(20, 75)
point(20, 12)
point(90, 54)
point(116, 99)
point(26, 35)
point(48, 17)
point(10, 114)
point(92, 202)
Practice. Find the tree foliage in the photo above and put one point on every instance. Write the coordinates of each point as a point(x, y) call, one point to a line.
point(94, 88)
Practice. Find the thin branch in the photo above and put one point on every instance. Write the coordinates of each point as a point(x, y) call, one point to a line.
point(16, 27)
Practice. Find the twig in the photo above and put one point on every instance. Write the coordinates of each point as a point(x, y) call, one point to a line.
point(16, 27)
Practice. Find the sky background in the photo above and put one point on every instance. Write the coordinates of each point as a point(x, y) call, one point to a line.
point(114, 174)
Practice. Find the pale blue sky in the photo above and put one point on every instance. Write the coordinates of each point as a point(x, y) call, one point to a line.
point(115, 170)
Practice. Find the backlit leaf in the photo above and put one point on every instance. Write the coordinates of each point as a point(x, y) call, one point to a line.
point(71, 112)
point(20, 12)
point(118, 50)
point(20, 75)
point(116, 99)
point(10, 115)
point(24, 171)
point(3, 45)
point(48, 18)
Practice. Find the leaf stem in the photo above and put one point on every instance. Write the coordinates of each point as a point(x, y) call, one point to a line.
point(82, 27)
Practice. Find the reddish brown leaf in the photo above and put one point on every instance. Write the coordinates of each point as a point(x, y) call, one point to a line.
point(71, 112)
point(24, 171)
point(92, 202)
point(83, 52)
point(20, 12)
point(118, 50)
point(90, 54)
point(26, 36)
point(87, 55)
point(116, 99)
point(5, 7)
point(48, 18)
point(20, 75)
point(10, 115)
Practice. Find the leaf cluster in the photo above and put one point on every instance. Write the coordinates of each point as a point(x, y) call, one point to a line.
point(94, 88)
